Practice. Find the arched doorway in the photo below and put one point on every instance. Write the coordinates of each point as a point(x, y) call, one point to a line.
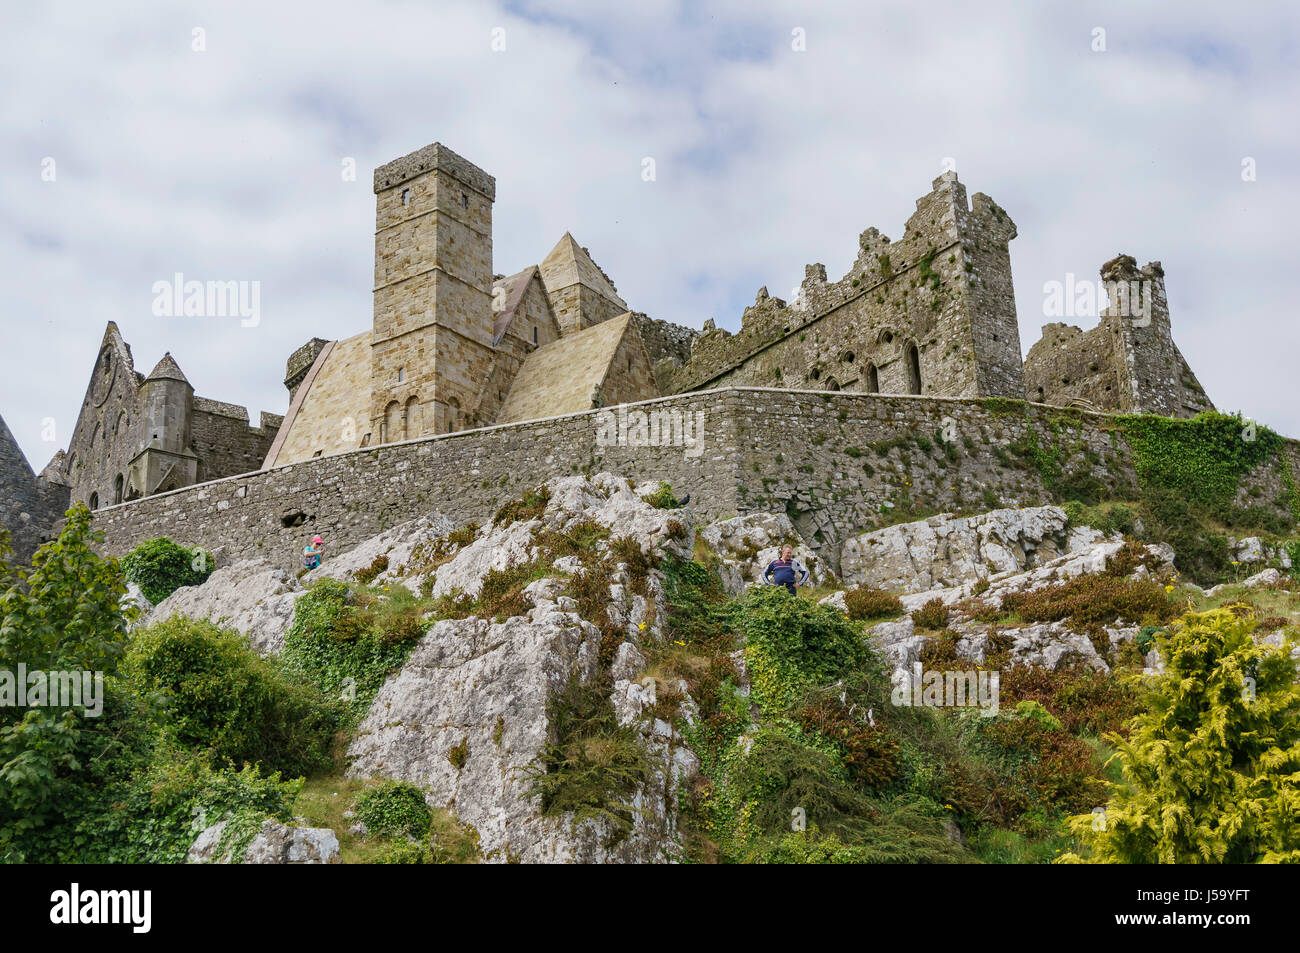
point(873, 379)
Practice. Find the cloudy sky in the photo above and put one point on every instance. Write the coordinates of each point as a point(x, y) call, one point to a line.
point(227, 162)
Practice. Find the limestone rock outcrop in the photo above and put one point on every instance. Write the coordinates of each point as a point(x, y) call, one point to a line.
point(948, 551)
point(251, 596)
point(275, 843)
point(746, 544)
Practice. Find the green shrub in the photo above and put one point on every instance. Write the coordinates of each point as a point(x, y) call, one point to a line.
point(394, 809)
point(160, 567)
point(1210, 768)
point(593, 766)
point(221, 696)
point(793, 645)
point(179, 795)
point(868, 603)
point(65, 616)
point(345, 641)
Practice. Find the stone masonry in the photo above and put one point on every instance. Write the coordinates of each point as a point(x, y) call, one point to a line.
point(854, 463)
point(933, 313)
point(1128, 363)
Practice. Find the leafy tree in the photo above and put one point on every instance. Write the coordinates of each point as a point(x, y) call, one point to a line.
point(65, 616)
point(1211, 771)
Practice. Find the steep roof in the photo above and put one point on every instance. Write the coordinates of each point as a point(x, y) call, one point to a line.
point(569, 264)
point(13, 462)
point(167, 369)
point(336, 389)
point(515, 286)
point(561, 377)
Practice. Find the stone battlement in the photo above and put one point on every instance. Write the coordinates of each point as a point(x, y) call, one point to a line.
point(435, 157)
point(932, 313)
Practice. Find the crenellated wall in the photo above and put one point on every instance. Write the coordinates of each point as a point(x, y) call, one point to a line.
point(932, 313)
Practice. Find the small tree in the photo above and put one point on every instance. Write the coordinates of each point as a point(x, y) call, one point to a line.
point(1212, 768)
point(160, 567)
point(65, 616)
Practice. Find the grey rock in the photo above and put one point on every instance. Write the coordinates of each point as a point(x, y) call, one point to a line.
point(251, 596)
point(275, 843)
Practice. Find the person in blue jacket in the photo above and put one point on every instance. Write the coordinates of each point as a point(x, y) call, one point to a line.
point(786, 571)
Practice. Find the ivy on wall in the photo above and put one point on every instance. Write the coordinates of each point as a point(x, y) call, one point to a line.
point(1203, 458)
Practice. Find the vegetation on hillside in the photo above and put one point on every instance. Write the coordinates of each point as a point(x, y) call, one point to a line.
point(805, 755)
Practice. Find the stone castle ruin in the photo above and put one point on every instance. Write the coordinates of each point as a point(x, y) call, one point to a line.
point(453, 346)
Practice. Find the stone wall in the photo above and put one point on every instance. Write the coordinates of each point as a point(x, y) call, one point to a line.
point(933, 314)
point(836, 463)
point(352, 496)
point(225, 441)
point(1128, 362)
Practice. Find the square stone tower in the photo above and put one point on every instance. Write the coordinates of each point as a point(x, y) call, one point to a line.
point(431, 346)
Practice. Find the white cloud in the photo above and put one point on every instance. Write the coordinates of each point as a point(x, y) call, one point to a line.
point(225, 164)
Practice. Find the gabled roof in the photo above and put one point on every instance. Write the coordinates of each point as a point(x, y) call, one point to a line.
point(515, 286)
point(13, 462)
point(569, 264)
point(167, 369)
point(561, 377)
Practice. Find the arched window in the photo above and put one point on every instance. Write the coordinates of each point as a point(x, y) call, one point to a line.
point(453, 415)
point(832, 384)
point(873, 379)
point(913, 369)
point(94, 501)
point(392, 422)
point(413, 427)
point(117, 489)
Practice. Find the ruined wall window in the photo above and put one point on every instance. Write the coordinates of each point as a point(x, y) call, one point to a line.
point(913, 369)
point(464, 200)
point(406, 196)
point(873, 379)
point(117, 489)
point(534, 334)
point(401, 374)
point(94, 501)
point(847, 357)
